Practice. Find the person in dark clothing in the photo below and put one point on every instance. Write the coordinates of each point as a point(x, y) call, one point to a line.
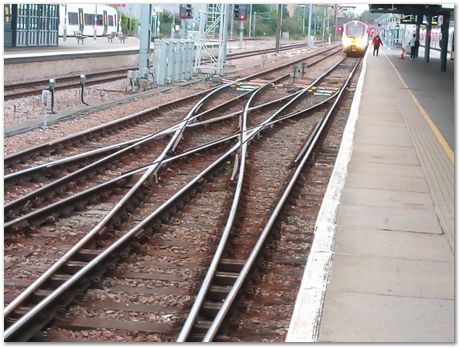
point(376, 41)
point(412, 47)
point(417, 45)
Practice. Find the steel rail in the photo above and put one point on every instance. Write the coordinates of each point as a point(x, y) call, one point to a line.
point(183, 335)
point(101, 77)
point(41, 210)
point(168, 130)
point(21, 322)
point(80, 171)
point(45, 302)
point(125, 176)
point(228, 226)
point(254, 253)
point(144, 112)
point(44, 209)
point(10, 331)
point(163, 132)
point(151, 170)
point(25, 319)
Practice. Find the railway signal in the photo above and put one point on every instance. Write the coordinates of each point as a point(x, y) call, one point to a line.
point(189, 12)
point(236, 11)
point(243, 12)
point(240, 12)
point(185, 11)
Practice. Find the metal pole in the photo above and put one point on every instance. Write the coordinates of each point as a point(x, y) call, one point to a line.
point(254, 22)
point(227, 15)
point(427, 38)
point(231, 22)
point(278, 28)
point(309, 40)
point(241, 33)
point(182, 24)
point(250, 20)
point(304, 18)
point(335, 22)
point(65, 22)
point(445, 39)
point(222, 40)
point(94, 26)
point(324, 24)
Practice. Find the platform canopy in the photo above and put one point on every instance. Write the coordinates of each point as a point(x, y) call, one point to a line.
point(408, 9)
point(422, 10)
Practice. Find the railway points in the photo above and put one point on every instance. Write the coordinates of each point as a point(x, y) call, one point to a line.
point(301, 196)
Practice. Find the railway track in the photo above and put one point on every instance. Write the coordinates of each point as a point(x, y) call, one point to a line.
point(19, 90)
point(21, 196)
point(95, 251)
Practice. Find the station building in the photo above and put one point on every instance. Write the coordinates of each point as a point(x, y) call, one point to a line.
point(29, 25)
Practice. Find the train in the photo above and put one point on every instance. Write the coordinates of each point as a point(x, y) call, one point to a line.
point(82, 17)
point(355, 38)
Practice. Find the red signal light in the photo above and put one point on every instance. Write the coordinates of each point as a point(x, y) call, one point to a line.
point(242, 18)
point(340, 29)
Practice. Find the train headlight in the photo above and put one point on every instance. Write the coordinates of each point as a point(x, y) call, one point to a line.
point(361, 42)
point(346, 41)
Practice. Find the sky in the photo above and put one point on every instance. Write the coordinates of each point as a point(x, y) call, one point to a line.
point(359, 8)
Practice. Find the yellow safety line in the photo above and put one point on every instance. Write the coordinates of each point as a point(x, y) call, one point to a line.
point(425, 115)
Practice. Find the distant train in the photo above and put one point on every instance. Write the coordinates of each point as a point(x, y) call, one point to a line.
point(82, 17)
point(355, 38)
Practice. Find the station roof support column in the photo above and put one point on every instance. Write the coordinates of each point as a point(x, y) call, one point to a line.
point(428, 38)
point(444, 40)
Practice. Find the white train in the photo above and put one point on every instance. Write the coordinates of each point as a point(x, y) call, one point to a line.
point(355, 37)
point(81, 17)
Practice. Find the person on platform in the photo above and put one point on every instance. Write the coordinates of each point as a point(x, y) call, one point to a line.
point(412, 47)
point(376, 41)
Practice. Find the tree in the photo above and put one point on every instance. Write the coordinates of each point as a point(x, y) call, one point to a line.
point(369, 17)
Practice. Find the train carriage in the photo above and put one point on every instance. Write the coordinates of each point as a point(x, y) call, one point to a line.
point(355, 38)
point(83, 17)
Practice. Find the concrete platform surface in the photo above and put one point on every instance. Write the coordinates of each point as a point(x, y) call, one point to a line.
point(387, 271)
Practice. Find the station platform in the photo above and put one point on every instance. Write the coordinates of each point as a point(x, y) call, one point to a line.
point(381, 268)
point(101, 45)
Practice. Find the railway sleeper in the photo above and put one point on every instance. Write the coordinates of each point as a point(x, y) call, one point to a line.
point(225, 278)
point(73, 267)
point(87, 255)
point(218, 292)
point(229, 265)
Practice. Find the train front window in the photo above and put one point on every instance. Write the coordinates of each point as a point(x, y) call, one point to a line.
point(355, 31)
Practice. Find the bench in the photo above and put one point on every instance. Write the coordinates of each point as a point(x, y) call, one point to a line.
point(79, 36)
point(121, 37)
point(111, 36)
